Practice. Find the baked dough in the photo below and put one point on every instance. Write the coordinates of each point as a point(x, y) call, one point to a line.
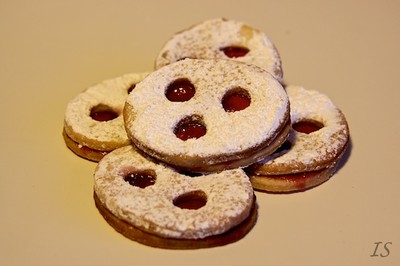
point(151, 203)
point(225, 39)
point(93, 123)
point(230, 139)
point(306, 159)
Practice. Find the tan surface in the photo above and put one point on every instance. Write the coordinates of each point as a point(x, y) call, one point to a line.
point(52, 50)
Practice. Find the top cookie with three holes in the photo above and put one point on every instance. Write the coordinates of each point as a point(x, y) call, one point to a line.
point(208, 115)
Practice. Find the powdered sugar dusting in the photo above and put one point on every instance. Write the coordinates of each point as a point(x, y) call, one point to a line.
point(94, 134)
point(154, 117)
point(314, 150)
point(229, 197)
point(205, 40)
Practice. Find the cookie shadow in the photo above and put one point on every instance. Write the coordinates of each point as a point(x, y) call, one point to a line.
point(346, 156)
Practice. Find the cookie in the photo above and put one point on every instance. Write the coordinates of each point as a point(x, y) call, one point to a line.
point(311, 154)
point(93, 123)
point(224, 39)
point(208, 115)
point(157, 205)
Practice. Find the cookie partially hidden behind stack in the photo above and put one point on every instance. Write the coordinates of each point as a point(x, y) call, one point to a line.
point(93, 123)
point(311, 155)
point(223, 38)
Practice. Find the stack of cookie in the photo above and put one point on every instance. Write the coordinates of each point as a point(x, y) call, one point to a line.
point(180, 150)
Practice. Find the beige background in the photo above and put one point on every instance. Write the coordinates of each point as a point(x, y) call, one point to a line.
point(51, 50)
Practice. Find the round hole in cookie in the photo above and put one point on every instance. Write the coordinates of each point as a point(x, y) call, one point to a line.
point(192, 200)
point(180, 90)
point(234, 51)
point(142, 178)
point(307, 126)
point(131, 88)
point(190, 127)
point(102, 112)
point(236, 99)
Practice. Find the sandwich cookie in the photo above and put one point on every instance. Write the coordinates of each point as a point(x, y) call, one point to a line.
point(224, 39)
point(208, 115)
point(311, 154)
point(93, 123)
point(158, 206)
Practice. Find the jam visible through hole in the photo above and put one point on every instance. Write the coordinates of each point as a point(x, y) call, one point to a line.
point(103, 113)
point(234, 51)
point(142, 179)
point(193, 200)
point(236, 100)
point(190, 127)
point(181, 90)
point(307, 126)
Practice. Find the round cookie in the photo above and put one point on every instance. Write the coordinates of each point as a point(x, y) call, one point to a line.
point(93, 124)
point(316, 143)
point(158, 206)
point(224, 39)
point(208, 115)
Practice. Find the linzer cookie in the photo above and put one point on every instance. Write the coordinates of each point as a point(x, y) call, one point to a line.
point(310, 156)
point(208, 115)
point(224, 39)
point(93, 123)
point(158, 206)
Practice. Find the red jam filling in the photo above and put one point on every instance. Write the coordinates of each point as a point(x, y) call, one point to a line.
point(307, 126)
point(298, 180)
point(234, 51)
point(103, 113)
point(141, 179)
point(297, 176)
point(190, 128)
point(87, 150)
point(181, 90)
point(192, 200)
point(236, 100)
